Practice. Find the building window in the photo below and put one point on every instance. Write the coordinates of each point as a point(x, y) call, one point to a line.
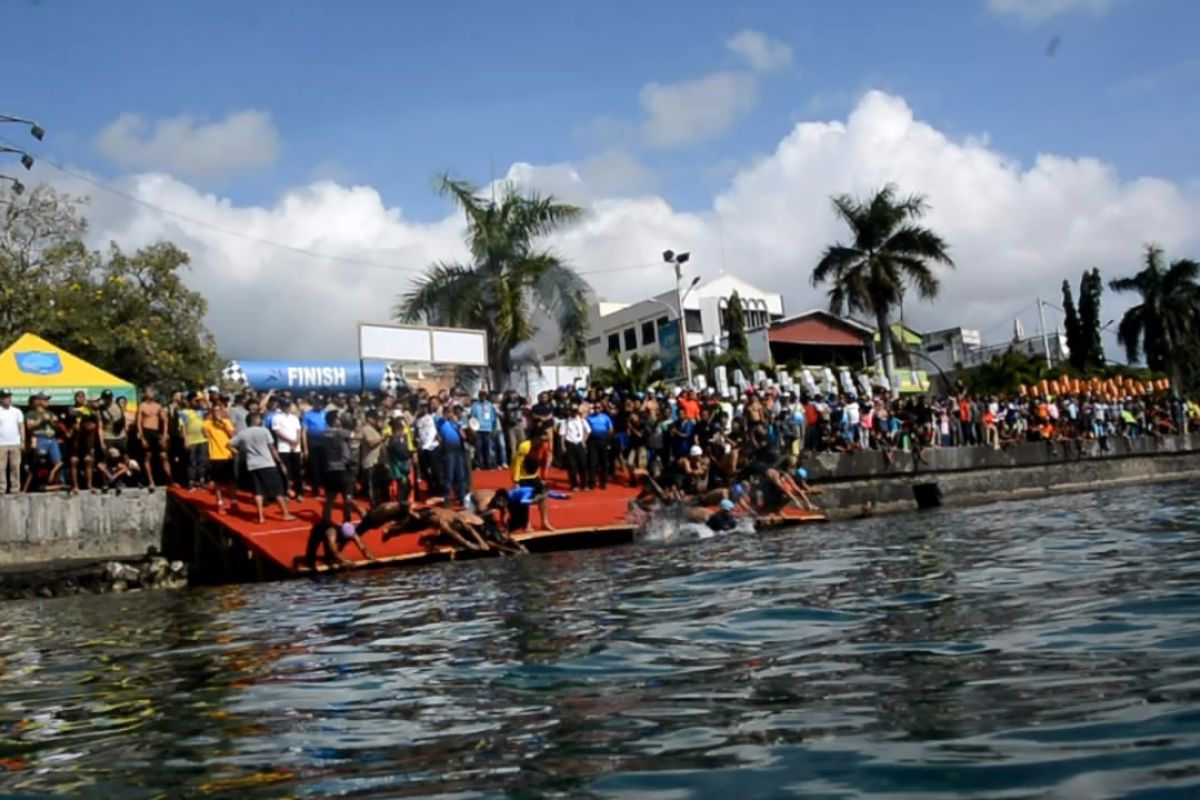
point(631, 338)
point(647, 333)
point(592, 342)
point(614, 343)
point(692, 321)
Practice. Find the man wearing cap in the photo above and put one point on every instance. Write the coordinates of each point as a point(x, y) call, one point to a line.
point(12, 435)
point(373, 467)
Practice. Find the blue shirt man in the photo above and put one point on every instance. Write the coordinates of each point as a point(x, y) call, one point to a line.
point(484, 412)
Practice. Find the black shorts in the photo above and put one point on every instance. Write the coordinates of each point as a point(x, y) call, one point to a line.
point(153, 442)
point(267, 482)
point(221, 471)
point(339, 481)
point(533, 483)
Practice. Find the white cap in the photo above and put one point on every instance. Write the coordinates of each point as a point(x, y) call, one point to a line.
point(696, 451)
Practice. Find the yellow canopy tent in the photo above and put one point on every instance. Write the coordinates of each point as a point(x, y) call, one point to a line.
point(33, 365)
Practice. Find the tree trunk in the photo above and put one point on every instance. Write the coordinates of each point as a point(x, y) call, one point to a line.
point(885, 351)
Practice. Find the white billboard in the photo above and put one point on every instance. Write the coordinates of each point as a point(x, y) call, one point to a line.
point(418, 344)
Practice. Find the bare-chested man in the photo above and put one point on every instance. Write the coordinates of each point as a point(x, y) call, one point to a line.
point(152, 433)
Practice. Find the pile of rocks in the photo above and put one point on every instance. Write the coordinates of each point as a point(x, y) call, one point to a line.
point(58, 579)
point(154, 572)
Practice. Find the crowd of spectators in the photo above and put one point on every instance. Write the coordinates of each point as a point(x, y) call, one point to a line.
point(280, 446)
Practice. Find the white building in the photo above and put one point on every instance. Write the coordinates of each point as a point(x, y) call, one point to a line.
point(950, 347)
point(631, 328)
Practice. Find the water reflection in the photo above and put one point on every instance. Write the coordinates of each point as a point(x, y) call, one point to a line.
point(1042, 647)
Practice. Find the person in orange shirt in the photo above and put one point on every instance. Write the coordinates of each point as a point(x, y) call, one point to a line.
point(218, 429)
point(689, 406)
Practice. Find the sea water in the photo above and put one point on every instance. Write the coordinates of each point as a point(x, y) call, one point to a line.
point(1043, 648)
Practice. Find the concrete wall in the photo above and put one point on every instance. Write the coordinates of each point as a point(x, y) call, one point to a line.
point(972, 474)
point(48, 527)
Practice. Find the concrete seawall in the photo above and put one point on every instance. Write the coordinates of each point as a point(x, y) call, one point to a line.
point(55, 527)
point(967, 475)
point(50, 527)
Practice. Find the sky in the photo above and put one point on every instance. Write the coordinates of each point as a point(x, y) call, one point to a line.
point(292, 147)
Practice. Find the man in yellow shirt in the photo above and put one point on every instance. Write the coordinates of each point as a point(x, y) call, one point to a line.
point(191, 425)
point(528, 467)
point(218, 429)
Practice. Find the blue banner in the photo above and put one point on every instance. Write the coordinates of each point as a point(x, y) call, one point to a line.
point(670, 354)
point(306, 376)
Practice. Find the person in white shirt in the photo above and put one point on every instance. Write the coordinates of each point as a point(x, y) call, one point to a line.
point(575, 431)
point(286, 426)
point(12, 439)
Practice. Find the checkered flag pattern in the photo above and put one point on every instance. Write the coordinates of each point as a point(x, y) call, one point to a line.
point(233, 373)
point(391, 380)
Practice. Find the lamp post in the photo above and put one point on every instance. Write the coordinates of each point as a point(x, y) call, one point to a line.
point(678, 260)
point(35, 130)
point(26, 159)
point(17, 186)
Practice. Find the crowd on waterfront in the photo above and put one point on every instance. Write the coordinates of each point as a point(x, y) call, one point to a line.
point(744, 447)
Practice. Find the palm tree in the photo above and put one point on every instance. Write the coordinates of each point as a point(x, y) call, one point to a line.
point(1167, 320)
point(706, 362)
point(507, 276)
point(888, 252)
point(634, 375)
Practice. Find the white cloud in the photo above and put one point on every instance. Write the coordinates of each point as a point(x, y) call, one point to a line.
point(693, 111)
point(761, 51)
point(192, 148)
point(1015, 230)
point(1041, 10)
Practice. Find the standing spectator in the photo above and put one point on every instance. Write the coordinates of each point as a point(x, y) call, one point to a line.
point(372, 466)
point(263, 464)
point(218, 430)
point(575, 435)
point(41, 427)
point(513, 409)
point(288, 441)
point(599, 447)
point(191, 428)
point(399, 457)
point(314, 425)
point(112, 423)
point(238, 413)
point(151, 430)
point(339, 467)
point(427, 451)
point(452, 443)
point(85, 445)
point(12, 438)
point(483, 411)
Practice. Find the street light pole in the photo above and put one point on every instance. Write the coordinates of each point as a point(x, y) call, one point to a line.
point(678, 260)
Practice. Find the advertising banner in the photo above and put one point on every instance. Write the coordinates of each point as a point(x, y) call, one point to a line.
point(670, 353)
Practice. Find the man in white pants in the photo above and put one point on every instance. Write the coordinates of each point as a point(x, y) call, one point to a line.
point(12, 439)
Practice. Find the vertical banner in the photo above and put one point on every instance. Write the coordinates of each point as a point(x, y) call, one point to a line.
point(670, 354)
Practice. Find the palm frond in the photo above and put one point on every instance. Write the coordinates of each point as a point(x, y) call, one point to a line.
point(446, 295)
point(1129, 332)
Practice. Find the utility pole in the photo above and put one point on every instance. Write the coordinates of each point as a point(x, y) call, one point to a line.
point(1045, 336)
point(678, 260)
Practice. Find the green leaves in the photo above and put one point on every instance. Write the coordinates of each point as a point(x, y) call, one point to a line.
point(1166, 324)
point(130, 314)
point(508, 275)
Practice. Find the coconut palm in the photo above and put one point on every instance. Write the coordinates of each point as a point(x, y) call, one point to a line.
point(634, 375)
point(1167, 320)
point(507, 276)
point(706, 362)
point(889, 252)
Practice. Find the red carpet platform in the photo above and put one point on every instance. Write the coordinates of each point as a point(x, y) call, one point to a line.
point(238, 547)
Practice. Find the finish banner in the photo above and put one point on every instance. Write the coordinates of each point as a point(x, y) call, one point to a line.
point(308, 376)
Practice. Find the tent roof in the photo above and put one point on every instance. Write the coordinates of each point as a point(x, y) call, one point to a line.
point(33, 363)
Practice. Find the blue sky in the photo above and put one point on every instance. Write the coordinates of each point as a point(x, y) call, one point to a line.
point(1049, 135)
point(391, 93)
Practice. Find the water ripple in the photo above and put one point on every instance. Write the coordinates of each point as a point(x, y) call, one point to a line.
point(1027, 649)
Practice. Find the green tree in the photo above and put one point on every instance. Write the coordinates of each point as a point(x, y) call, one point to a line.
point(129, 314)
point(508, 274)
point(889, 251)
point(735, 326)
point(635, 375)
point(1071, 323)
point(1091, 286)
point(1005, 372)
point(705, 362)
point(1165, 324)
